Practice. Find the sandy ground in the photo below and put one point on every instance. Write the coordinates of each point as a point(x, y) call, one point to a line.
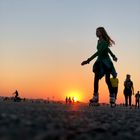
point(41, 121)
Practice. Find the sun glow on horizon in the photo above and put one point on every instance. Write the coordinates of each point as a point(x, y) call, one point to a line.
point(75, 99)
point(74, 94)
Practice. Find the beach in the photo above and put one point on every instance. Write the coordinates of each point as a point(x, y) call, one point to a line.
point(58, 121)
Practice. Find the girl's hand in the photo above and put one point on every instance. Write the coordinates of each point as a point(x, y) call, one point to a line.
point(84, 62)
point(115, 59)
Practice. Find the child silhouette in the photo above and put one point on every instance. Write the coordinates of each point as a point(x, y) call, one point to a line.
point(103, 65)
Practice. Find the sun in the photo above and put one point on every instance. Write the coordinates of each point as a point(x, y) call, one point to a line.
point(75, 99)
point(74, 94)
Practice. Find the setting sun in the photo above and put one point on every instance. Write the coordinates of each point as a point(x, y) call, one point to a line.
point(76, 95)
point(75, 99)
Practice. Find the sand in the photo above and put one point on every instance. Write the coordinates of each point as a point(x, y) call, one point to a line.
point(54, 121)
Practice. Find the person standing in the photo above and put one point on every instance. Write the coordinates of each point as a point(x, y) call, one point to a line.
point(66, 99)
point(128, 90)
point(137, 99)
point(103, 65)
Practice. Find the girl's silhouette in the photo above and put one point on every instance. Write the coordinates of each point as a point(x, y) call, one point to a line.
point(103, 65)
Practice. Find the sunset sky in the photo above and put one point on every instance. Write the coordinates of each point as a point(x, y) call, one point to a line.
point(43, 42)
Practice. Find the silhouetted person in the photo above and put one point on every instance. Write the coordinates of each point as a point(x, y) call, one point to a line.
point(16, 98)
point(114, 82)
point(16, 94)
point(66, 100)
point(103, 65)
point(69, 100)
point(128, 90)
point(73, 99)
point(137, 99)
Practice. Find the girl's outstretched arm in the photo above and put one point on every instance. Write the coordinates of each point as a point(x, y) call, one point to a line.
point(89, 59)
point(112, 55)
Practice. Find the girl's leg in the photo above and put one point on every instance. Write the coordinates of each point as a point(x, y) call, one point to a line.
point(96, 84)
point(107, 79)
point(116, 92)
point(96, 87)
